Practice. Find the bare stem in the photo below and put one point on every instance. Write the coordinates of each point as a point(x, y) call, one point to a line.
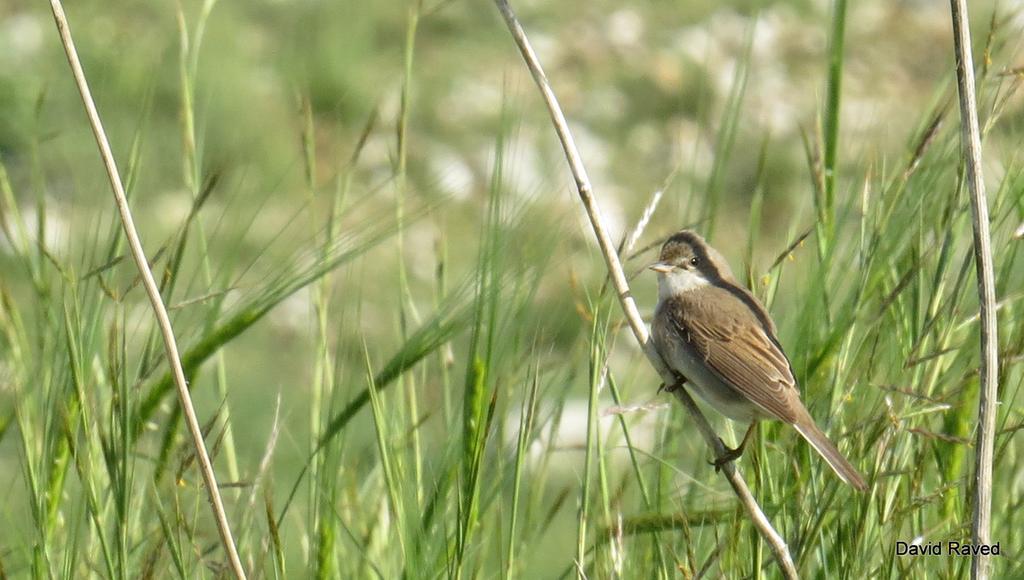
point(170, 346)
point(970, 138)
point(618, 277)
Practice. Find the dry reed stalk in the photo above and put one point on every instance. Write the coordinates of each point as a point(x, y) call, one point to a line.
point(139, 256)
point(636, 323)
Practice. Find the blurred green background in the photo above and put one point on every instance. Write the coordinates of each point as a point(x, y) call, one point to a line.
point(300, 114)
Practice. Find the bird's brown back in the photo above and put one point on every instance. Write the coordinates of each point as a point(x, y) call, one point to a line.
point(739, 346)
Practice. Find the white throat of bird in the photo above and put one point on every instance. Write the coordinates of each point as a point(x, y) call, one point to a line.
point(679, 281)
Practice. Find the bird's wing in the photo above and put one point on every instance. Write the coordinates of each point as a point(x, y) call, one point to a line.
point(739, 348)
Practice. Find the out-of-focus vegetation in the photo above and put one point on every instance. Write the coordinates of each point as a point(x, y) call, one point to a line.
point(392, 311)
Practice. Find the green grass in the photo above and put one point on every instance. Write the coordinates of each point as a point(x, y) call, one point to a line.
point(408, 369)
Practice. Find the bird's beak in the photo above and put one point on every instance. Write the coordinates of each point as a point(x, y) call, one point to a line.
point(661, 267)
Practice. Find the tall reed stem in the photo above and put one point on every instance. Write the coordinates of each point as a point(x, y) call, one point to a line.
point(618, 277)
point(139, 256)
point(970, 139)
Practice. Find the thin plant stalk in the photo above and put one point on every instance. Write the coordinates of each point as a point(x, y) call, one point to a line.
point(139, 256)
point(405, 295)
point(526, 420)
point(188, 70)
point(629, 307)
point(970, 138)
point(832, 108)
point(598, 371)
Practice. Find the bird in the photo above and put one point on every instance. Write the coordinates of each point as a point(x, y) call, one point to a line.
point(717, 338)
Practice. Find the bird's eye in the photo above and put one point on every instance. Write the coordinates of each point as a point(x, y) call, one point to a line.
point(694, 261)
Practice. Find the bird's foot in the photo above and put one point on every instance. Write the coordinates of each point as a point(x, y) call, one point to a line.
point(673, 387)
point(727, 457)
point(733, 454)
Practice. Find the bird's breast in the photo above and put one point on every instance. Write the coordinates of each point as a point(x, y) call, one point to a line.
point(700, 378)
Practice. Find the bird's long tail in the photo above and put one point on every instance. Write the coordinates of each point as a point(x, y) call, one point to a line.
point(848, 473)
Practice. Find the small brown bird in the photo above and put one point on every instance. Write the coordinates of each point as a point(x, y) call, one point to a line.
point(720, 340)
